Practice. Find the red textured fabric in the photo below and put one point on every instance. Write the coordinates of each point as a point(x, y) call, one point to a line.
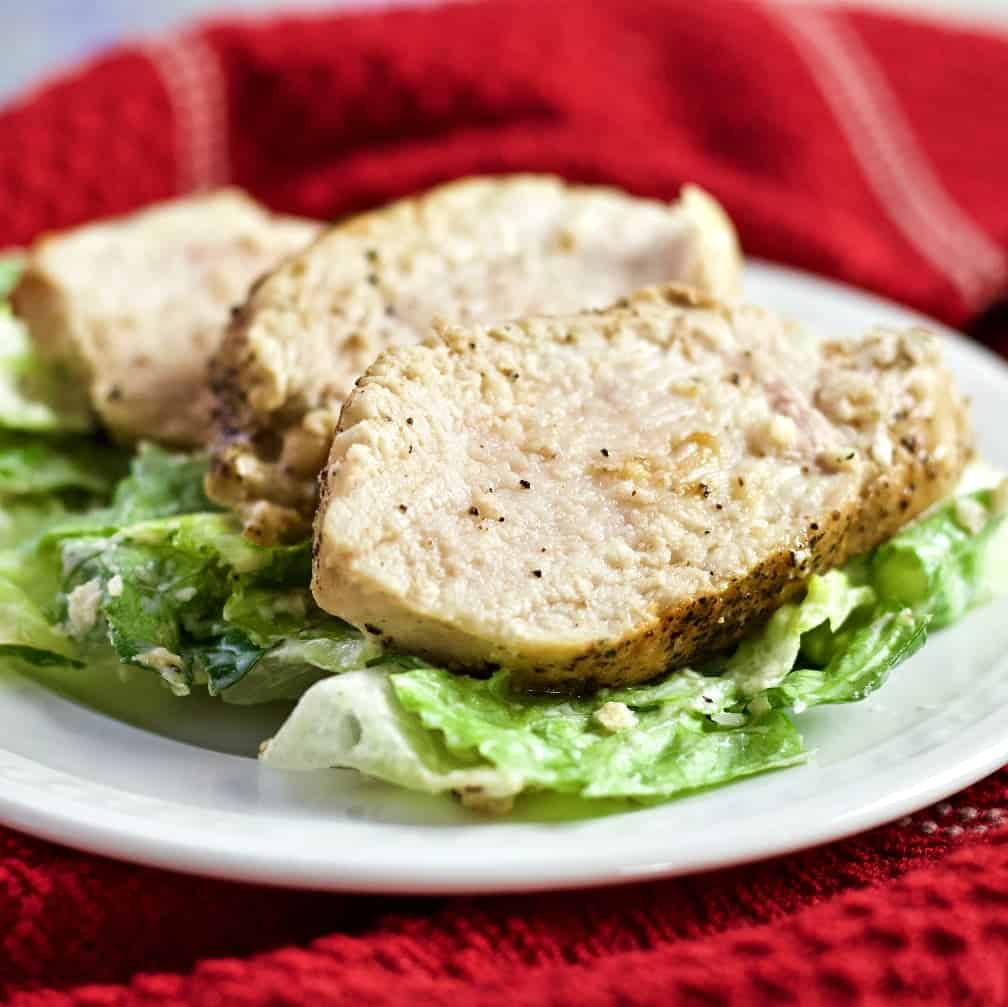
point(868, 148)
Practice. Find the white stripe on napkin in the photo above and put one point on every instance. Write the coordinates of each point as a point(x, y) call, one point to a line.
point(192, 76)
point(891, 159)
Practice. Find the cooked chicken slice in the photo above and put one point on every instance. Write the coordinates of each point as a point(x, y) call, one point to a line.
point(136, 305)
point(480, 250)
point(593, 499)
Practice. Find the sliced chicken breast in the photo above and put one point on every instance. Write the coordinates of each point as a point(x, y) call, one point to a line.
point(593, 499)
point(136, 305)
point(480, 250)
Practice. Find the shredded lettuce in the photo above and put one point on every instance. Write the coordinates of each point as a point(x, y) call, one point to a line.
point(426, 729)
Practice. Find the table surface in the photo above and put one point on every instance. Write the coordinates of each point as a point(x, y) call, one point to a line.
point(47, 34)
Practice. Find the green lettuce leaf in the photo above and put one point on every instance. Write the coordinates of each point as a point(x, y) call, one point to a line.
point(356, 721)
point(429, 730)
point(938, 563)
point(163, 586)
point(38, 396)
point(279, 644)
point(22, 520)
point(30, 580)
point(173, 586)
point(244, 674)
point(861, 661)
point(43, 413)
point(672, 746)
point(29, 583)
point(160, 484)
point(33, 465)
point(926, 577)
point(765, 659)
point(46, 546)
point(25, 631)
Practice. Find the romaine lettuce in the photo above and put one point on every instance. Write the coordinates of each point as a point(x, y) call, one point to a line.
point(357, 721)
point(937, 564)
point(29, 583)
point(34, 465)
point(173, 586)
point(25, 631)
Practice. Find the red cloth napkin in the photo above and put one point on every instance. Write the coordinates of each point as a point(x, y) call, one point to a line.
point(865, 147)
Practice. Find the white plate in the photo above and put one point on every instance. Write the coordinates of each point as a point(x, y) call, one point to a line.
point(133, 773)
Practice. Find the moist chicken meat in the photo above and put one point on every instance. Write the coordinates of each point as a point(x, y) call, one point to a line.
point(137, 304)
point(480, 250)
point(593, 499)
